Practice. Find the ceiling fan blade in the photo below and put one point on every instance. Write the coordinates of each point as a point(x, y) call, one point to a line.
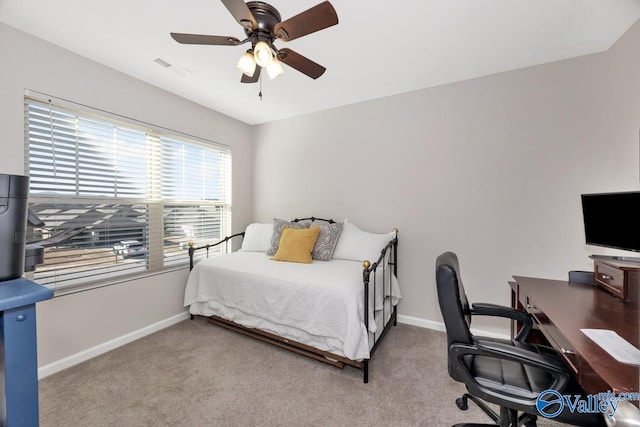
point(241, 13)
point(254, 78)
point(301, 63)
point(311, 20)
point(204, 39)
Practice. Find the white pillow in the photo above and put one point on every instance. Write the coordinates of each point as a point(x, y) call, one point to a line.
point(358, 245)
point(257, 237)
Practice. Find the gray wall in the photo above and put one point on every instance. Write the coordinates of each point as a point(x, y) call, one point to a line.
point(490, 168)
point(71, 324)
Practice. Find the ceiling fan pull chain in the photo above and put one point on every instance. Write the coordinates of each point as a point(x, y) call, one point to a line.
point(260, 93)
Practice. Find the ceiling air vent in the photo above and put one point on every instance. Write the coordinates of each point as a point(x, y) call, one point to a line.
point(169, 66)
point(162, 62)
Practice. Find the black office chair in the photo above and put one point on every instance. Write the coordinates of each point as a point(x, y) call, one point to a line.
point(508, 373)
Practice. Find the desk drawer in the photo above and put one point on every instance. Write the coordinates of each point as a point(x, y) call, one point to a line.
point(555, 337)
point(610, 279)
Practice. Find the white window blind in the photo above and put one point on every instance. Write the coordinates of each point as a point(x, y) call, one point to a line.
point(118, 198)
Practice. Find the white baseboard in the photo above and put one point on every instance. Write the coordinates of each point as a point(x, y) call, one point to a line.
point(74, 359)
point(439, 326)
point(423, 323)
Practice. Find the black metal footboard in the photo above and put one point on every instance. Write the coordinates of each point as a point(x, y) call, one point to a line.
point(388, 265)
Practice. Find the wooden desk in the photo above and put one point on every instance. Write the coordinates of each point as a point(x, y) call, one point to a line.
point(561, 309)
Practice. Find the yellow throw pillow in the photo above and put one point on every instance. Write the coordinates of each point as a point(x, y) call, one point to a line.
point(296, 244)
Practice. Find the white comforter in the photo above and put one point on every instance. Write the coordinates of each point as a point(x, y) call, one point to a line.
point(319, 304)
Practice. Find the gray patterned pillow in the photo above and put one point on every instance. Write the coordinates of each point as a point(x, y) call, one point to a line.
point(327, 241)
point(278, 226)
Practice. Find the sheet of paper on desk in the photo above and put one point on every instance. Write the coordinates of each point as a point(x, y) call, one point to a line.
point(621, 350)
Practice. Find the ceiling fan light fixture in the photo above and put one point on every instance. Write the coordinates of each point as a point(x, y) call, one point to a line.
point(246, 64)
point(262, 54)
point(274, 69)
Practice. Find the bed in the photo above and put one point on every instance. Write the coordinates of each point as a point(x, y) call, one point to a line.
point(315, 308)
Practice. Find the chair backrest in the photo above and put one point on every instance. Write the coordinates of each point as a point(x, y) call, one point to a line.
point(454, 305)
point(585, 277)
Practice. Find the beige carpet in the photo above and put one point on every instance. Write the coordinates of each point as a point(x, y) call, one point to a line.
point(198, 374)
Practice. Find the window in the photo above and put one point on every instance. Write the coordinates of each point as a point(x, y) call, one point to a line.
point(118, 198)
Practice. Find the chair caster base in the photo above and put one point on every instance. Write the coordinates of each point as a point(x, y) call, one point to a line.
point(507, 418)
point(462, 404)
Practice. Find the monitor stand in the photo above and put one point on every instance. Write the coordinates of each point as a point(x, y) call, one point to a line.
point(616, 258)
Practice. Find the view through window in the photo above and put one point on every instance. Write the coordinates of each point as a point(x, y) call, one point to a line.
point(114, 198)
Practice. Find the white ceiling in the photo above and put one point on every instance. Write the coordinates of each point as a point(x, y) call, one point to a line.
point(379, 48)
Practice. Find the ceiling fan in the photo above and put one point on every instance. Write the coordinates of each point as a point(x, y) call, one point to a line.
point(262, 26)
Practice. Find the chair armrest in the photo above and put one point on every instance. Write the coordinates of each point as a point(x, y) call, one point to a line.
point(503, 351)
point(486, 309)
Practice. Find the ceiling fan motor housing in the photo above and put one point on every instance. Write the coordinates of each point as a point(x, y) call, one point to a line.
point(266, 16)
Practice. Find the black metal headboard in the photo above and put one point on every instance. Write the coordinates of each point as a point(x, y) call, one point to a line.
point(314, 219)
point(226, 240)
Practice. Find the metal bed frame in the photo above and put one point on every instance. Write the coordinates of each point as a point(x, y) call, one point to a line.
point(388, 266)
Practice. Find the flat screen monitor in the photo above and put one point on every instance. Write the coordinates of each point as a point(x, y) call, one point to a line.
point(612, 220)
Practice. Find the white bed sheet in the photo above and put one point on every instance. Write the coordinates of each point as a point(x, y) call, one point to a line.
point(318, 304)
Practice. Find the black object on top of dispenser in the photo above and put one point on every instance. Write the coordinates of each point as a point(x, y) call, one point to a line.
point(14, 194)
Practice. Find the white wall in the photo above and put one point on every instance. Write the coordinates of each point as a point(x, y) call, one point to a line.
point(71, 324)
point(490, 168)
